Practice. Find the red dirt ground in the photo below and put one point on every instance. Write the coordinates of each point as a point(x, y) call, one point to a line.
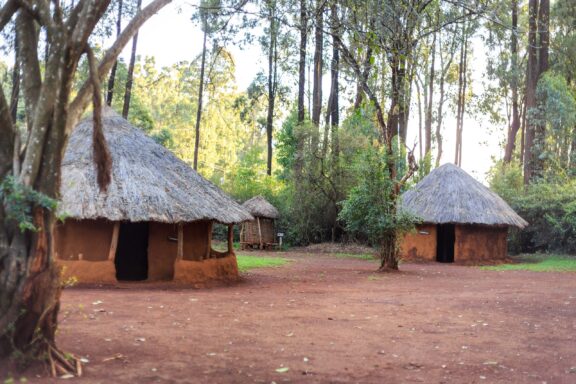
point(330, 320)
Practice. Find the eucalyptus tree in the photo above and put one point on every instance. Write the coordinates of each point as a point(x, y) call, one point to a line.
point(30, 173)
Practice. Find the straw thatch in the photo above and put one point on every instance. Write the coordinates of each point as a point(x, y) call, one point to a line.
point(149, 183)
point(259, 206)
point(450, 195)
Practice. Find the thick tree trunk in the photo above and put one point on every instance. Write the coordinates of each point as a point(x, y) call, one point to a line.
point(515, 125)
point(130, 75)
point(200, 96)
point(389, 255)
point(318, 64)
point(539, 142)
point(112, 78)
point(531, 83)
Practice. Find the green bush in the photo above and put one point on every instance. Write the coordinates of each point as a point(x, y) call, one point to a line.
point(549, 208)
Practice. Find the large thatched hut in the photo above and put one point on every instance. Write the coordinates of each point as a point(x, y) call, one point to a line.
point(153, 223)
point(462, 220)
point(261, 231)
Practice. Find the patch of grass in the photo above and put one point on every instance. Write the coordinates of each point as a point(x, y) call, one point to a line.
point(361, 256)
point(538, 263)
point(247, 262)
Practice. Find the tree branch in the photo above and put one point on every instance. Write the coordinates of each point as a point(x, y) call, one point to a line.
point(102, 158)
point(7, 11)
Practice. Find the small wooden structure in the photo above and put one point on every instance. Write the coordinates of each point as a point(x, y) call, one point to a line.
point(462, 220)
point(261, 231)
point(153, 223)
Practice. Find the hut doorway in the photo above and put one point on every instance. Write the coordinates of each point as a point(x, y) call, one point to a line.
point(445, 243)
point(132, 252)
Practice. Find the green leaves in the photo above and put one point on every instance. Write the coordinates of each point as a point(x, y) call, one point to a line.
point(19, 201)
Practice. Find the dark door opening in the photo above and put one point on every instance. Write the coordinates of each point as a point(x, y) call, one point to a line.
point(445, 238)
point(132, 252)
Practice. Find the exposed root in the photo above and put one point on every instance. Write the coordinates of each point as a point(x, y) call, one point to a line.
point(63, 365)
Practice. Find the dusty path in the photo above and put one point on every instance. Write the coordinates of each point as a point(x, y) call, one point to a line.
point(331, 320)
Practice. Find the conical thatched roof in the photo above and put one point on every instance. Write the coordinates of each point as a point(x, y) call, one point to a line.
point(149, 183)
point(450, 195)
point(259, 206)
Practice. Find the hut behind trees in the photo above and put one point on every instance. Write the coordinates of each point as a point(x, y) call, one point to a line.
point(259, 232)
point(153, 223)
point(462, 220)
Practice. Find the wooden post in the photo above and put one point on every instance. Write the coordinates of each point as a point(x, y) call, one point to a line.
point(180, 254)
point(230, 239)
point(209, 249)
point(259, 232)
point(114, 242)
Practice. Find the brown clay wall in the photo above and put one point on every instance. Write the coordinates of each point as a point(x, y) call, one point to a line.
point(83, 239)
point(93, 272)
point(420, 245)
point(162, 251)
point(196, 238)
point(199, 272)
point(480, 243)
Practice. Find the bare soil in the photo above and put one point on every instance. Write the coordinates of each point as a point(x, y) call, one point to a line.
point(323, 319)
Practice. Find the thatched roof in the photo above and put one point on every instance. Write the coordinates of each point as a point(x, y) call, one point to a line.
point(450, 195)
point(149, 183)
point(259, 206)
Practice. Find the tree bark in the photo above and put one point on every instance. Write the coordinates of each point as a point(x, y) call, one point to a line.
point(428, 121)
point(318, 63)
point(272, 61)
point(531, 83)
point(515, 125)
point(130, 76)
point(200, 96)
point(112, 78)
point(302, 61)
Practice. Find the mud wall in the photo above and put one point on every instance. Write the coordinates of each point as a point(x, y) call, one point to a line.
point(196, 240)
point(479, 243)
point(162, 251)
point(200, 272)
point(83, 239)
point(421, 244)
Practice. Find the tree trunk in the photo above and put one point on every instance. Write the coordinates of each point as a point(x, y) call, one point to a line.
point(389, 253)
point(539, 142)
point(130, 75)
point(461, 95)
point(515, 126)
point(200, 96)
point(272, 59)
point(112, 78)
point(428, 121)
point(531, 83)
point(420, 126)
point(302, 61)
point(318, 63)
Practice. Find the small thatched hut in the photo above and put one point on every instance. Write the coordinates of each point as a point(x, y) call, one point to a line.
point(462, 220)
point(259, 232)
point(153, 223)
